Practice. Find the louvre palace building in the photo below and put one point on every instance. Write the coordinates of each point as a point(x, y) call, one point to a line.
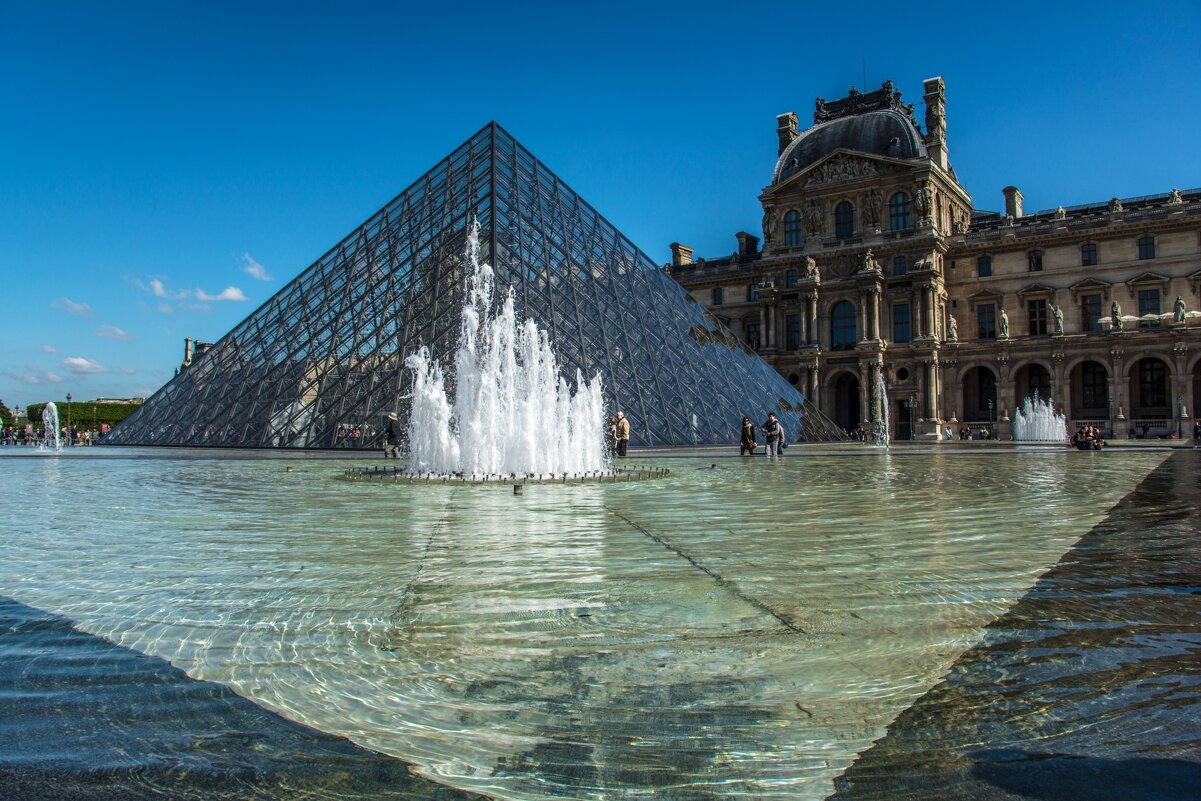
point(876, 266)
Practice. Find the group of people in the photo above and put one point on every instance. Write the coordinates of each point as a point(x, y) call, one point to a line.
point(774, 437)
point(31, 437)
point(1087, 438)
point(618, 435)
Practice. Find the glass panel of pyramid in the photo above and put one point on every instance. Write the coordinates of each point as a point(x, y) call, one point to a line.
point(321, 364)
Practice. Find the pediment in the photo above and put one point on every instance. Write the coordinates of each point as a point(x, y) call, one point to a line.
point(844, 165)
point(1148, 278)
point(1089, 285)
point(1036, 289)
point(984, 296)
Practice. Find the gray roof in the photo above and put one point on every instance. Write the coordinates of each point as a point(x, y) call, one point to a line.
point(886, 132)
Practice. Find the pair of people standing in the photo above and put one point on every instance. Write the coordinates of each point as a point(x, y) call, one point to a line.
point(773, 437)
point(619, 435)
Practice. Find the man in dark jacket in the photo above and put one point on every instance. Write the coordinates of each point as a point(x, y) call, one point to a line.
point(392, 437)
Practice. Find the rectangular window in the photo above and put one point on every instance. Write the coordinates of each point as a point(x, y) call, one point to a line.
point(1035, 259)
point(752, 335)
point(718, 296)
point(986, 318)
point(752, 291)
point(1090, 314)
point(1088, 254)
point(1146, 247)
point(1036, 312)
point(790, 278)
point(792, 328)
point(1148, 303)
point(900, 322)
point(983, 266)
point(1093, 385)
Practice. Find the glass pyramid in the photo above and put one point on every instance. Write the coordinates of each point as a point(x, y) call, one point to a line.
point(321, 363)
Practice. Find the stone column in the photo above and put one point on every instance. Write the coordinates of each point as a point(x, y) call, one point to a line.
point(1059, 389)
point(814, 334)
point(875, 301)
point(930, 310)
point(864, 386)
point(762, 325)
point(1120, 419)
point(863, 316)
point(931, 409)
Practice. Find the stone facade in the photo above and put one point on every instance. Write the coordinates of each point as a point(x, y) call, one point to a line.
point(875, 266)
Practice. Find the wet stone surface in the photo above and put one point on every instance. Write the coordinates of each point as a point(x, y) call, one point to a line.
point(1088, 689)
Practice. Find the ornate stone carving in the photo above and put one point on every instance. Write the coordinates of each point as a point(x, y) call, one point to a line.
point(872, 208)
point(1175, 198)
point(857, 102)
point(1178, 312)
point(1115, 204)
point(1058, 313)
point(840, 168)
point(841, 266)
point(814, 219)
point(1003, 327)
point(769, 226)
point(952, 330)
point(1061, 213)
point(1115, 316)
point(811, 269)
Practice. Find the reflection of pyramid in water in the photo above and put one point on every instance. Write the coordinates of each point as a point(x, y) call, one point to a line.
point(321, 363)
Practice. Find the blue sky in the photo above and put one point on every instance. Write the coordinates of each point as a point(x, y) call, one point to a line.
point(167, 167)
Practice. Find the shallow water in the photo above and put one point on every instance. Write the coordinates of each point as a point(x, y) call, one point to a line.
point(737, 631)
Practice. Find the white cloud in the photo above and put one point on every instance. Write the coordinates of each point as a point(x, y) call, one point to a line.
point(255, 269)
point(127, 371)
point(34, 376)
point(165, 308)
point(48, 349)
point(80, 365)
point(78, 309)
point(229, 293)
point(113, 332)
point(156, 287)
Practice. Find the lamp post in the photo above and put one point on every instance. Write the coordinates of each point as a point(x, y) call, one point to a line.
point(69, 442)
point(1179, 416)
point(990, 423)
point(909, 415)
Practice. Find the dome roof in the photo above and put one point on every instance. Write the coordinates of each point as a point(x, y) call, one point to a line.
point(886, 132)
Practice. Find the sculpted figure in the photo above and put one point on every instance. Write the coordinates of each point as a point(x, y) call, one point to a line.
point(813, 219)
point(1115, 316)
point(1004, 327)
point(1115, 204)
point(871, 208)
point(769, 226)
point(1176, 197)
point(1058, 312)
point(810, 267)
point(952, 329)
point(1178, 310)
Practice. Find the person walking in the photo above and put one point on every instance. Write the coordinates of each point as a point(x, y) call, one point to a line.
point(771, 434)
point(623, 434)
point(747, 444)
point(1197, 433)
point(392, 437)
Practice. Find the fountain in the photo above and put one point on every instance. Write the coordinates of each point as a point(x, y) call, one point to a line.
point(1037, 421)
point(50, 423)
point(513, 413)
point(878, 430)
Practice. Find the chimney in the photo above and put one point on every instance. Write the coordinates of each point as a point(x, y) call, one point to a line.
point(786, 129)
point(1013, 201)
point(748, 244)
point(187, 351)
point(680, 254)
point(936, 120)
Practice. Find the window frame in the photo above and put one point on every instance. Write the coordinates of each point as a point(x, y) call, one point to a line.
point(1036, 316)
point(1146, 248)
point(794, 228)
point(984, 266)
point(1034, 261)
point(844, 219)
point(1088, 254)
point(981, 331)
point(904, 320)
point(899, 217)
point(844, 328)
point(719, 296)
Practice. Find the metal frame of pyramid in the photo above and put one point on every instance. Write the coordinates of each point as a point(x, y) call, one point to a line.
point(321, 363)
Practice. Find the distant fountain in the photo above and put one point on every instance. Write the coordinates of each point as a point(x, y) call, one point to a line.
point(50, 423)
point(513, 414)
point(878, 431)
point(1037, 421)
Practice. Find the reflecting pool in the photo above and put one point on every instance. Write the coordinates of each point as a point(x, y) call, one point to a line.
point(744, 628)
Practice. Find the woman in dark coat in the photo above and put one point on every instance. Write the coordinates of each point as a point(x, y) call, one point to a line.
point(746, 446)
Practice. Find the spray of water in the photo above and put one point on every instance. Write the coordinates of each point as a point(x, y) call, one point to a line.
point(50, 423)
point(1037, 421)
point(513, 413)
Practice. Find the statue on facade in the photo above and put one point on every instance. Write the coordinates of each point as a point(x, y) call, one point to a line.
point(1175, 198)
point(1115, 204)
point(921, 203)
point(1061, 213)
point(1115, 316)
point(813, 219)
point(1058, 313)
point(872, 205)
point(952, 329)
point(1004, 327)
point(769, 226)
point(869, 262)
point(1178, 313)
point(811, 268)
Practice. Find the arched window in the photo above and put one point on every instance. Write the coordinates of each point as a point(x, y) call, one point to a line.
point(1146, 247)
point(844, 220)
point(900, 265)
point(719, 296)
point(1088, 254)
point(794, 234)
point(843, 333)
point(898, 212)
